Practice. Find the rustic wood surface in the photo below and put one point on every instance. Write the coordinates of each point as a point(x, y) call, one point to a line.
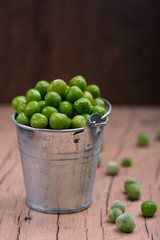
point(18, 222)
point(112, 43)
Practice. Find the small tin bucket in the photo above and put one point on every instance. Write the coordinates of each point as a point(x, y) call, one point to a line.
point(59, 166)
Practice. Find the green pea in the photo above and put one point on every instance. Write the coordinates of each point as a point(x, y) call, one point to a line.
point(38, 120)
point(98, 109)
point(143, 140)
point(66, 107)
point(129, 181)
point(99, 102)
point(82, 106)
point(158, 134)
point(52, 99)
point(17, 100)
point(102, 145)
point(58, 85)
point(99, 160)
point(64, 94)
point(148, 208)
point(112, 168)
point(88, 95)
point(69, 123)
point(78, 81)
point(126, 223)
point(113, 214)
point(58, 121)
point(42, 87)
point(118, 204)
point(21, 107)
point(47, 111)
point(133, 191)
point(33, 95)
point(31, 108)
point(22, 118)
point(73, 93)
point(126, 162)
point(94, 90)
point(86, 115)
point(78, 121)
point(41, 104)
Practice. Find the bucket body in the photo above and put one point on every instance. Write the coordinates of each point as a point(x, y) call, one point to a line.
point(59, 166)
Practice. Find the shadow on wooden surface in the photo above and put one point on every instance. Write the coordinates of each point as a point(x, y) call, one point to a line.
point(112, 43)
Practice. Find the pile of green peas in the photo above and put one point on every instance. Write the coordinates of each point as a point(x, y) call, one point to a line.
point(125, 222)
point(133, 188)
point(58, 105)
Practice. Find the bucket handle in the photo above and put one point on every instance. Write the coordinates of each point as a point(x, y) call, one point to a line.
point(109, 110)
point(96, 120)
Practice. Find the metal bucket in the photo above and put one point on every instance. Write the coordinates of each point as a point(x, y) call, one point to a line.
point(59, 166)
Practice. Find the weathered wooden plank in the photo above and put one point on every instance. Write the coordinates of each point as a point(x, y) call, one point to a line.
point(19, 222)
point(109, 42)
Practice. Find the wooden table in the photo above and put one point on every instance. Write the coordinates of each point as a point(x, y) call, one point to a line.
point(18, 222)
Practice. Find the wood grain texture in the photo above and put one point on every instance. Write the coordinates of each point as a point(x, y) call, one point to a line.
point(18, 222)
point(114, 44)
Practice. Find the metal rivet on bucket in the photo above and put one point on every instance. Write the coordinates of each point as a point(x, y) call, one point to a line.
point(59, 166)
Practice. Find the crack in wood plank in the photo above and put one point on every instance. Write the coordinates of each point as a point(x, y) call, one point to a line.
point(19, 227)
point(1, 220)
point(28, 218)
point(86, 233)
point(152, 237)
point(101, 224)
point(108, 194)
point(157, 171)
point(85, 224)
point(146, 227)
point(57, 233)
point(85, 221)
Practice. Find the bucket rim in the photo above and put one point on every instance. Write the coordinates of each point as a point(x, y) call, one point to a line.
point(60, 130)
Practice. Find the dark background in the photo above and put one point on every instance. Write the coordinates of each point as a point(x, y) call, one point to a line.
point(114, 44)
